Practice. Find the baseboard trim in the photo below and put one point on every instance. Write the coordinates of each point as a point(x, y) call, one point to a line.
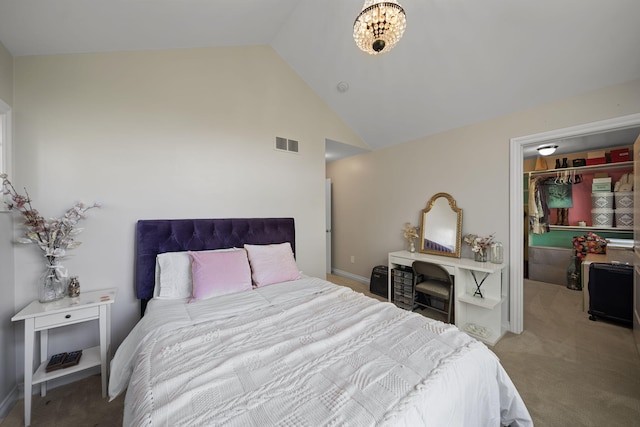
point(350, 276)
point(8, 403)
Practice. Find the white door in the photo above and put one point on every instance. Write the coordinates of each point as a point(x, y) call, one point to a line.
point(328, 222)
point(636, 242)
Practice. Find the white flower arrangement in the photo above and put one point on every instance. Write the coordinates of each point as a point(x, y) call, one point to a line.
point(54, 235)
point(478, 243)
point(410, 232)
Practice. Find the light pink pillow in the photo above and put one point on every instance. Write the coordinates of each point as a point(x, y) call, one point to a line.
point(219, 273)
point(272, 263)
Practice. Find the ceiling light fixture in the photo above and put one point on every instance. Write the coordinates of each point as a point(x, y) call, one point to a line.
point(547, 150)
point(379, 26)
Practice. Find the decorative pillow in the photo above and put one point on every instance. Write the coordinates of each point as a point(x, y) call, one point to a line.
point(173, 274)
point(219, 273)
point(272, 263)
point(590, 243)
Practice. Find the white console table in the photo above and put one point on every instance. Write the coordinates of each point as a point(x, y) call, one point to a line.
point(40, 317)
point(485, 318)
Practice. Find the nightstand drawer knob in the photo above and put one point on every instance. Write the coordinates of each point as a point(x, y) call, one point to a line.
point(68, 316)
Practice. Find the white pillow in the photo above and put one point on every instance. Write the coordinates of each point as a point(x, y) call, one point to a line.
point(173, 274)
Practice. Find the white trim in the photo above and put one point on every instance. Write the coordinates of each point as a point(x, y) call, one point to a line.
point(7, 152)
point(350, 276)
point(516, 220)
point(8, 403)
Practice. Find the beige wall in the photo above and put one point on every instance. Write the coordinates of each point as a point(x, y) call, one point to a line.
point(375, 193)
point(7, 358)
point(167, 134)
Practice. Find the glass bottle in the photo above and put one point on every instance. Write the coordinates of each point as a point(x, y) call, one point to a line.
point(496, 253)
point(573, 274)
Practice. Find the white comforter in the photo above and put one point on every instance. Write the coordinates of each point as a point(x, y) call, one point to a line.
point(306, 353)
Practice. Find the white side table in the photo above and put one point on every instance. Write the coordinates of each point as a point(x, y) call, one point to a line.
point(40, 317)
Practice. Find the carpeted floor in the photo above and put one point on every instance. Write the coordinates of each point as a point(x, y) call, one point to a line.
point(569, 370)
point(79, 404)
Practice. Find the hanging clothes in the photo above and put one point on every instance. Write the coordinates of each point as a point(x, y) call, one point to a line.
point(538, 207)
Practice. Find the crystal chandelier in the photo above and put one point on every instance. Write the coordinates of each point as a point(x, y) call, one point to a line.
point(379, 26)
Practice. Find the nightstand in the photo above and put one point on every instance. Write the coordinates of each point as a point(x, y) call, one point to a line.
point(40, 317)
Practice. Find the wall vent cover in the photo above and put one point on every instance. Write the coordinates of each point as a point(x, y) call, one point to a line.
point(284, 144)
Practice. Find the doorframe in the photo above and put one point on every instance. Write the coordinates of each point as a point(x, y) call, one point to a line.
point(516, 199)
point(328, 200)
point(6, 143)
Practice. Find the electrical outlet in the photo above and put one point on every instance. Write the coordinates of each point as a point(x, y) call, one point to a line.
point(353, 259)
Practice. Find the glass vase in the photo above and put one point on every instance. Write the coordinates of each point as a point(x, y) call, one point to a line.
point(412, 246)
point(573, 273)
point(480, 256)
point(53, 282)
point(496, 253)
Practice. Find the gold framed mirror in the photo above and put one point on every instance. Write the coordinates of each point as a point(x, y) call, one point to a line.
point(441, 228)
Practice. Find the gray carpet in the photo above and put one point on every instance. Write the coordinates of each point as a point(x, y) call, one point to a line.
point(79, 404)
point(569, 370)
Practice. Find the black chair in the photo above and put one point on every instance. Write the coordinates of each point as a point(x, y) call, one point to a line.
point(433, 282)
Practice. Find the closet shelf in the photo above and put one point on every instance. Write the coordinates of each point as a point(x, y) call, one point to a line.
point(583, 169)
point(590, 228)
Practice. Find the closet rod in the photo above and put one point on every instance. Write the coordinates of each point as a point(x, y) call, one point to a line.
point(583, 169)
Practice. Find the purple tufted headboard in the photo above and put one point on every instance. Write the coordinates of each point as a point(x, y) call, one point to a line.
point(158, 236)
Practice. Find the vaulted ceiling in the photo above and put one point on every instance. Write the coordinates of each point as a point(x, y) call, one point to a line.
point(459, 62)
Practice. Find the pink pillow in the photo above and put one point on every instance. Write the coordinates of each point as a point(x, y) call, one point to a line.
point(272, 263)
point(219, 273)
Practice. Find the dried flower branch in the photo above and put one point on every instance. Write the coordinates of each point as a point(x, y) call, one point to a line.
point(478, 243)
point(54, 235)
point(410, 232)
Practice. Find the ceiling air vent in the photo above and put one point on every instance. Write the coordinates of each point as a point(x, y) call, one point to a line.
point(284, 144)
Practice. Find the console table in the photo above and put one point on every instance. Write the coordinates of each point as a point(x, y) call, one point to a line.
point(40, 317)
point(484, 317)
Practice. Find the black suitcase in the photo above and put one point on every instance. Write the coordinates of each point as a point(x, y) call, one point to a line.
point(611, 292)
point(379, 281)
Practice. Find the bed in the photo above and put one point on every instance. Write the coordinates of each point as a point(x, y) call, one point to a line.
point(287, 349)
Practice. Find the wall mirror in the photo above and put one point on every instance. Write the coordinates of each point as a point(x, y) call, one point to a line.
point(441, 226)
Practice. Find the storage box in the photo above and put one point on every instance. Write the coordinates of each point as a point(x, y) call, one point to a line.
point(596, 161)
point(623, 199)
point(620, 251)
point(596, 154)
point(599, 180)
point(620, 155)
point(602, 217)
point(602, 199)
point(624, 218)
point(601, 186)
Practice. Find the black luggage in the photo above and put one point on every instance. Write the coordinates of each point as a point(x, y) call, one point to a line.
point(379, 284)
point(611, 292)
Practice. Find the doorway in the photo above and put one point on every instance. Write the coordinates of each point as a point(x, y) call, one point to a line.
point(516, 220)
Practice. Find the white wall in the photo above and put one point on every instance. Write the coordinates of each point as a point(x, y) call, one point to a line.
point(7, 355)
point(167, 134)
point(375, 193)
